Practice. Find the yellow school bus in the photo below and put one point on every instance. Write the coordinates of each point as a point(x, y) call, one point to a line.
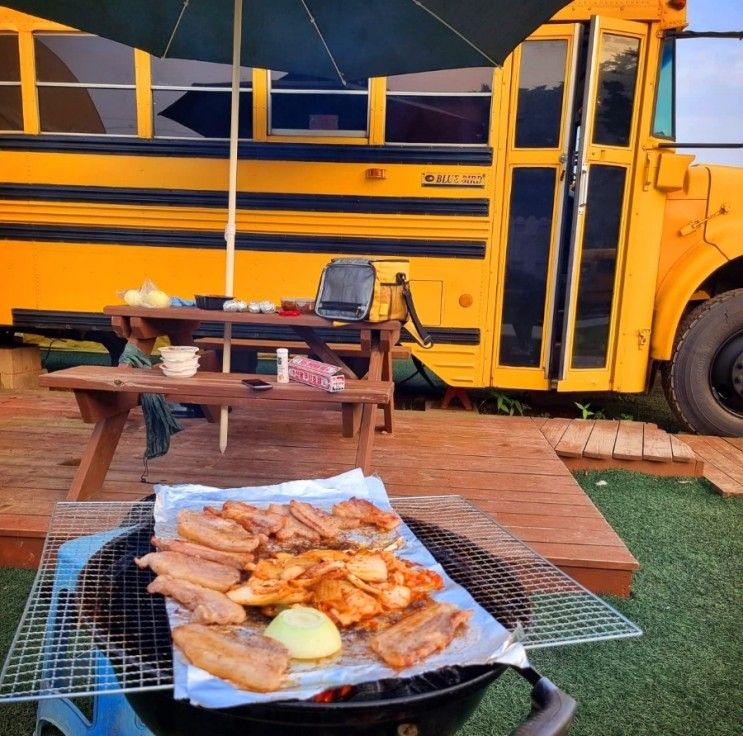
point(557, 239)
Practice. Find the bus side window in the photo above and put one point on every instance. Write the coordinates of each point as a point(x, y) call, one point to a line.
point(11, 109)
point(451, 106)
point(191, 99)
point(307, 105)
point(85, 84)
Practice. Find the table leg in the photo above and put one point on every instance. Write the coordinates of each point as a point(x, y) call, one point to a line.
point(97, 457)
point(351, 414)
point(210, 362)
point(376, 369)
point(387, 376)
point(323, 351)
point(366, 438)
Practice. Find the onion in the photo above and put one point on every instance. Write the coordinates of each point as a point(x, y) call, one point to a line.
point(133, 298)
point(156, 298)
point(306, 632)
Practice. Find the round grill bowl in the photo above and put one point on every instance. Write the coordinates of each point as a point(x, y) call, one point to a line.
point(435, 704)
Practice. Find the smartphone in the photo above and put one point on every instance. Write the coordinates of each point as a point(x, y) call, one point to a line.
point(256, 384)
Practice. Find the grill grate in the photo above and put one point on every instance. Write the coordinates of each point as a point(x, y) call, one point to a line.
point(90, 627)
point(508, 578)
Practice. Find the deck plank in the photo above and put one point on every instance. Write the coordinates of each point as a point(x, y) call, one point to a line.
point(723, 462)
point(656, 445)
point(601, 442)
point(503, 465)
point(553, 430)
point(574, 438)
point(682, 453)
point(628, 445)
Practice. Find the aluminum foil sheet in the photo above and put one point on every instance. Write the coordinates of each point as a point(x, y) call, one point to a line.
point(484, 641)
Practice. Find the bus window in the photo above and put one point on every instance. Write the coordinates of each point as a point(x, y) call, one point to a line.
point(616, 90)
point(11, 110)
point(306, 105)
point(451, 106)
point(541, 88)
point(598, 265)
point(665, 99)
point(191, 99)
point(85, 84)
point(525, 288)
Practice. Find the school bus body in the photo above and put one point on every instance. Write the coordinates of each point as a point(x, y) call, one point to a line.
point(85, 216)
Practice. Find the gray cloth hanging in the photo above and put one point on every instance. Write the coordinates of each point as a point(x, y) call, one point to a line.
point(159, 421)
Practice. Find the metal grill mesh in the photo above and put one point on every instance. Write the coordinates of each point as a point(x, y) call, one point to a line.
point(507, 577)
point(56, 650)
point(66, 646)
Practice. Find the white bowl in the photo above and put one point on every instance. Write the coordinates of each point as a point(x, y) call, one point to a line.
point(179, 373)
point(178, 353)
point(180, 367)
point(179, 362)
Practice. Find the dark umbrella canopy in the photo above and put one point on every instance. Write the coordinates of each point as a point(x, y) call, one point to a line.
point(328, 38)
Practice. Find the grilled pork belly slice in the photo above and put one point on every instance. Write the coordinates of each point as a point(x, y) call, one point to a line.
point(419, 635)
point(216, 532)
point(365, 512)
point(293, 529)
point(253, 519)
point(321, 521)
point(238, 560)
point(197, 571)
point(208, 606)
point(255, 663)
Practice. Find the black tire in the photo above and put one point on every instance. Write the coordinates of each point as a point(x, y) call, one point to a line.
point(709, 344)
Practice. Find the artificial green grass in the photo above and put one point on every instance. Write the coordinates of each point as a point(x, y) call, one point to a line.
point(16, 719)
point(681, 678)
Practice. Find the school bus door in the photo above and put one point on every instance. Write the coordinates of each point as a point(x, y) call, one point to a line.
point(570, 152)
point(541, 140)
point(615, 60)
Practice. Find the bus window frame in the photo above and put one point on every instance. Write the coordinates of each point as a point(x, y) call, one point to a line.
point(152, 88)
point(18, 84)
point(402, 144)
point(133, 87)
point(300, 135)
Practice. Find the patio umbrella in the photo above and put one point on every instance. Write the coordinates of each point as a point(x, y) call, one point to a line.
point(344, 39)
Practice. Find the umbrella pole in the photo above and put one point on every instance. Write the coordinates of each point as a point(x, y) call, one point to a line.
point(229, 233)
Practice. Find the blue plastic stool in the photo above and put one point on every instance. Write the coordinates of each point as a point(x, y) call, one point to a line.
point(112, 714)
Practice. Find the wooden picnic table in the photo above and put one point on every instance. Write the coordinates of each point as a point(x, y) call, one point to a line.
point(141, 326)
point(105, 395)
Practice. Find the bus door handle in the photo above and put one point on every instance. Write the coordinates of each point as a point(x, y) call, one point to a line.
point(583, 187)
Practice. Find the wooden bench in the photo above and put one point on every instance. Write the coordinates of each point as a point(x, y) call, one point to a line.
point(105, 395)
point(342, 350)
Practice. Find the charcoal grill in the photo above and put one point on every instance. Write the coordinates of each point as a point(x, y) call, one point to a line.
point(89, 602)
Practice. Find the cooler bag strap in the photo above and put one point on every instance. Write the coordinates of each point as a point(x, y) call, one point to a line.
point(422, 338)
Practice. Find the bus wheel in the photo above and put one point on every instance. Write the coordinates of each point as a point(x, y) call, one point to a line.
point(703, 381)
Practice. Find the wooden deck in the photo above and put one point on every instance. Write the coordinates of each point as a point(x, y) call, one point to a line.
point(723, 461)
point(604, 444)
point(504, 465)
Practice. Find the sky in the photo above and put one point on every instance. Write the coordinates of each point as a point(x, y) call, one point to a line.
point(709, 82)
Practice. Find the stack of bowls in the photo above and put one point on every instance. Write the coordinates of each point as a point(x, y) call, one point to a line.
point(179, 361)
